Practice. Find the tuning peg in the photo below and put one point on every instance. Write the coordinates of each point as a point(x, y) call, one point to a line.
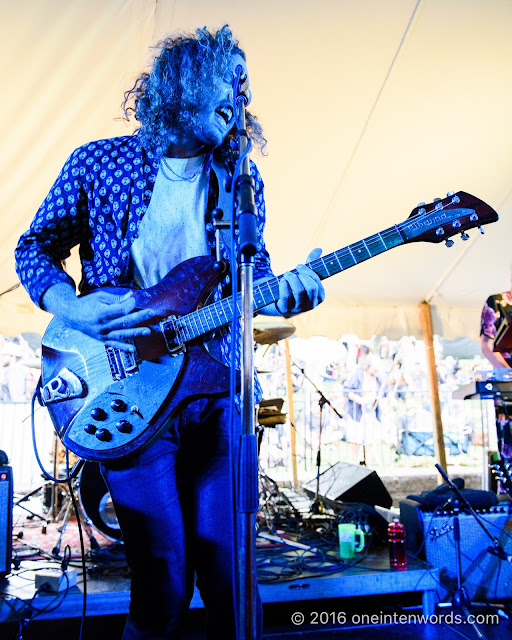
point(436, 199)
point(473, 217)
point(421, 204)
point(482, 231)
point(448, 242)
point(464, 236)
point(450, 194)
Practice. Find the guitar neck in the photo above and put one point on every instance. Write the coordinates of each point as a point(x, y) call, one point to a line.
point(267, 292)
point(219, 314)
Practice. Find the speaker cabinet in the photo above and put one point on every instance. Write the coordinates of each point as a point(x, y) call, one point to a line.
point(5, 520)
point(350, 483)
point(484, 576)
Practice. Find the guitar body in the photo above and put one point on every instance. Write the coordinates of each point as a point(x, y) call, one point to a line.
point(121, 405)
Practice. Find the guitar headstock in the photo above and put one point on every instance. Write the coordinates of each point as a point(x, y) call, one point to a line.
point(502, 470)
point(441, 219)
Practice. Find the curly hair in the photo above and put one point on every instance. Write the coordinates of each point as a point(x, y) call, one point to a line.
point(183, 70)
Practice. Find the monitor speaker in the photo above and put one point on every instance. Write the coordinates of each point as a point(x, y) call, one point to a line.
point(5, 520)
point(350, 483)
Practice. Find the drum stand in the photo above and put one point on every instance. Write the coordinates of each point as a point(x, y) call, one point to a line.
point(53, 488)
point(33, 514)
point(86, 523)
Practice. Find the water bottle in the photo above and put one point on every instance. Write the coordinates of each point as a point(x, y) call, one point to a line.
point(397, 548)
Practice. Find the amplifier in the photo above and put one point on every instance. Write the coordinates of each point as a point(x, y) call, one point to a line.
point(5, 520)
point(485, 576)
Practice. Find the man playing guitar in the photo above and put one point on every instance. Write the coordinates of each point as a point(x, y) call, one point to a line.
point(137, 206)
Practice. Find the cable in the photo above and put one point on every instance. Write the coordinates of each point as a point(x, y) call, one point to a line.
point(29, 612)
point(76, 467)
point(82, 548)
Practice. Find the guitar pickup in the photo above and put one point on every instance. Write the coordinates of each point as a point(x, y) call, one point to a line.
point(171, 332)
point(64, 386)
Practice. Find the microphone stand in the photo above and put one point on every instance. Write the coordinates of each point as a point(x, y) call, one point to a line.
point(461, 599)
point(247, 498)
point(316, 507)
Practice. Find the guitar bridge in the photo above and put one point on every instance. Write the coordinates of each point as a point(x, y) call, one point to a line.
point(121, 363)
point(171, 331)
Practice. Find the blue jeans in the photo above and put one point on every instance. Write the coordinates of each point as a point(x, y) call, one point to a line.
point(174, 505)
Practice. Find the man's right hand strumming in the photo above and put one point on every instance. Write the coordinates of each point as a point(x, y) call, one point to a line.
point(102, 315)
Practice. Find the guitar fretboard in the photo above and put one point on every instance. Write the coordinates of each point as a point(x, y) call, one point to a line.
point(216, 315)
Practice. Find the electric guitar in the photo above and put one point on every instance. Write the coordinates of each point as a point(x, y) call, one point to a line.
point(106, 403)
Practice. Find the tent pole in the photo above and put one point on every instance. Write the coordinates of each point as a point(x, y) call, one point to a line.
point(291, 416)
point(428, 337)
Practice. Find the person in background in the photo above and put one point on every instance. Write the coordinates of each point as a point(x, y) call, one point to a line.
point(504, 431)
point(495, 311)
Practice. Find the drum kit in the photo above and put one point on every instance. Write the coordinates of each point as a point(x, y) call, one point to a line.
point(96, 510)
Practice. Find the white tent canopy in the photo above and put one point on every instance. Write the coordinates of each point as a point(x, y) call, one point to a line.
point(369, 107)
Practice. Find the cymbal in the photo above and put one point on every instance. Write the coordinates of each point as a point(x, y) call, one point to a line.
point(271, 332)
point(34, 363)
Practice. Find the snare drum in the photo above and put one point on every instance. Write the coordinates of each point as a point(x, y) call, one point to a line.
point(96, 503)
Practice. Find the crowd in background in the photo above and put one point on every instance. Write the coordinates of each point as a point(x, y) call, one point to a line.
point(367, 394)
point(20, 364)
point(379, 390)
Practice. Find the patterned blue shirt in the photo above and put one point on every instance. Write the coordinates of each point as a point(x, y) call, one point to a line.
point(98, 202)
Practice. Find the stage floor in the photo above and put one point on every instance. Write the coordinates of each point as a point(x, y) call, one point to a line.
point(360, 601)
point(306, 594)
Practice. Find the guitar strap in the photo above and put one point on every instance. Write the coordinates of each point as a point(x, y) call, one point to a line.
point(224, 202)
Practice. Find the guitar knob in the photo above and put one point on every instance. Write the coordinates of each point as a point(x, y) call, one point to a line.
point(448, 242)
point(123, 426)
point(118, 405)
point(90, 428)
point(456, 224)
point(440, 231)
point(473, 217)
point(103, 435)
point(98, 414)
point(464, 236)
